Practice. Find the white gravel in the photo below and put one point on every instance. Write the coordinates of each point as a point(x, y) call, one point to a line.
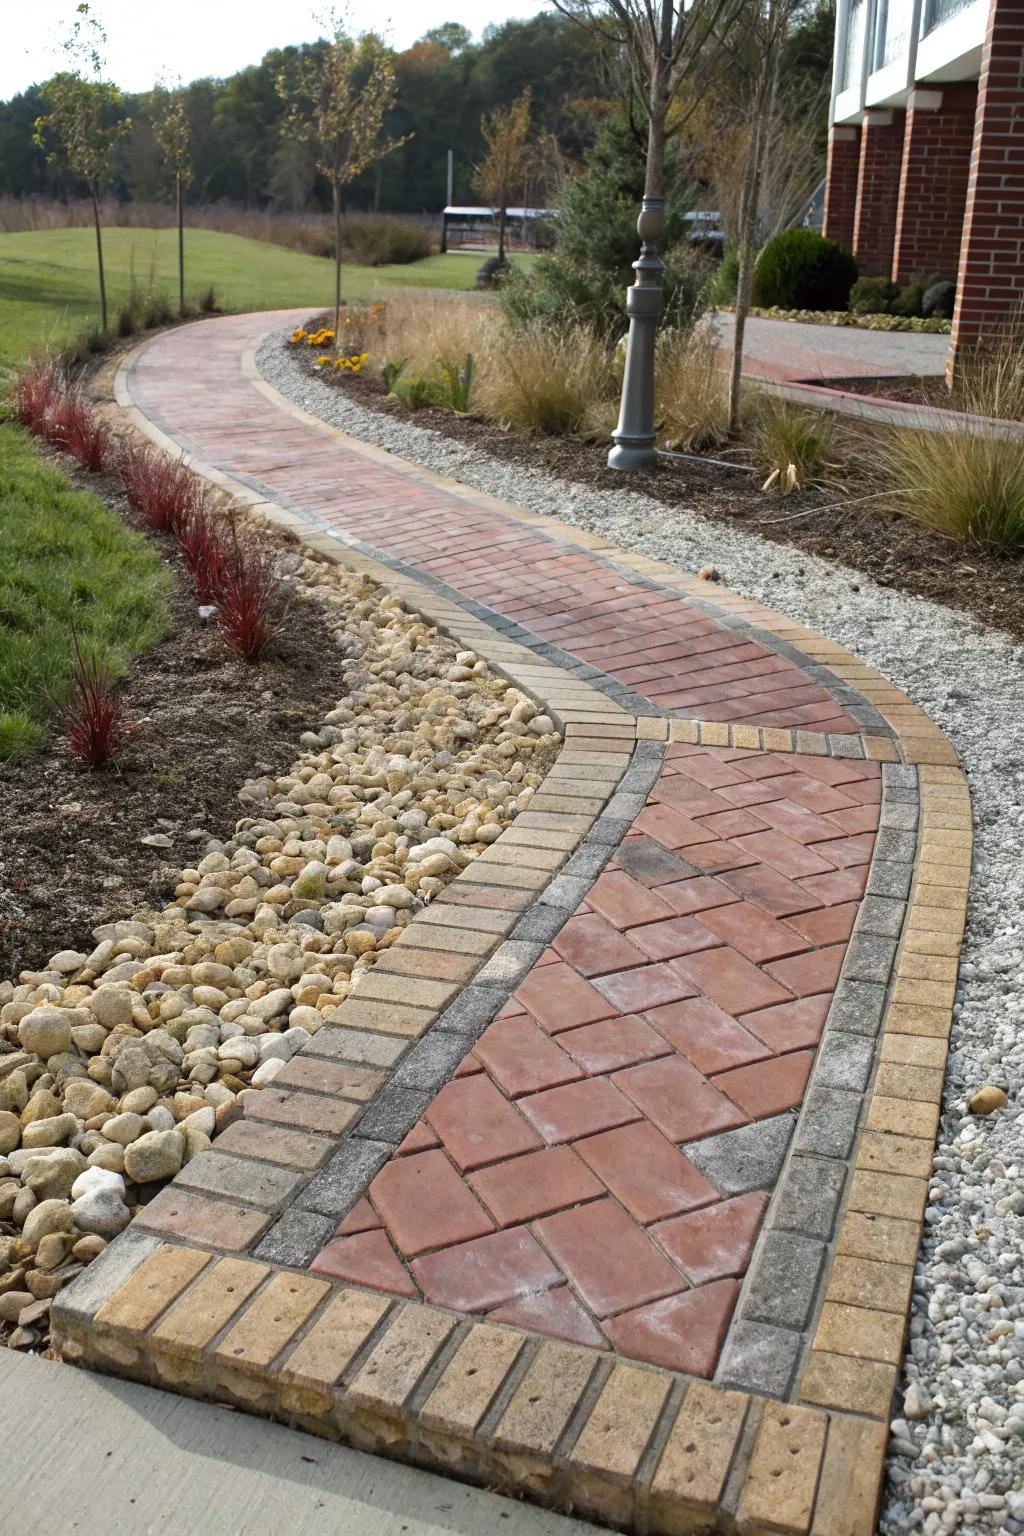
point(959, 1465)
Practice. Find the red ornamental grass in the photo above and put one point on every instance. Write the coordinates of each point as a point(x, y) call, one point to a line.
point(162, 490)
point(203, 546)
point(248, 586)
point(73, 425)
point(93, 718)
point(35, 392)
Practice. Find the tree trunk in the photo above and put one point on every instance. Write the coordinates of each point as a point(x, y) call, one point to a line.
point(336, 194)
point(745, 274)
point(181, 245)
point(658, 103)
point(99, 256)
point(502, 214)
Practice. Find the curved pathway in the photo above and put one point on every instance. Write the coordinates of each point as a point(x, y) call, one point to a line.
point(607, 1185)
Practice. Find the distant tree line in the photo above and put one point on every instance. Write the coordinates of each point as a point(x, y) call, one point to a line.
point(240, 149)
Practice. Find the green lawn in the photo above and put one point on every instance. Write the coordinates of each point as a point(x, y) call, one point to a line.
point(48, 278)
point(63, 557)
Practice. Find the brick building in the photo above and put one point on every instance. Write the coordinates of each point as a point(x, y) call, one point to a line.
point(926, 148)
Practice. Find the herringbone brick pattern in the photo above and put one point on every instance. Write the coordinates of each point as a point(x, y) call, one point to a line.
point(549, 1183)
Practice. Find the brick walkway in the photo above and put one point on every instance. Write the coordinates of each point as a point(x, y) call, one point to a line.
point(606, 1184)
point(546, 1185)
point(668, 652)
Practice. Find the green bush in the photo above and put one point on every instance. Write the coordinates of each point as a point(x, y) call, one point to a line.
point(802, 270)
point(873, 296)
point(724, 283)
point(585, 278)
point(909, 299)
point(939, 299)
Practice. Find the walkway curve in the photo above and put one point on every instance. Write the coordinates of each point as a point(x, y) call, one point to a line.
point(607, 1185)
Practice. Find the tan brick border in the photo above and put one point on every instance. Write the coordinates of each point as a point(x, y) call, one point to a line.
point(630, 1445)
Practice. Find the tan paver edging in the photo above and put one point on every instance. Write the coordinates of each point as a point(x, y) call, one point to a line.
point(634, 1446)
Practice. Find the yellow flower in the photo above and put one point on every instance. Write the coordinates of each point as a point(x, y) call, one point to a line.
point(299, 335)
point(321, 360)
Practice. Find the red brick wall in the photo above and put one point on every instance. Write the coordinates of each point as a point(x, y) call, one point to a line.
point(937, 147)
point(878, 190)
point(991, 283)
point(841, 183)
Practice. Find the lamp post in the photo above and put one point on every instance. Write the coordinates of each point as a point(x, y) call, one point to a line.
point(634, 435)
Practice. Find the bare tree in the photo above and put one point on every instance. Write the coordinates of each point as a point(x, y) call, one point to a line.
point(505, 167)
point(338, 97)
point(660, 43)
point(85, 119)
point(754, 55)
point(172, 132)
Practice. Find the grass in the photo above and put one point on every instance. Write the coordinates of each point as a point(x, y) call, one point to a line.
point(959, 482)
point(691, 394)
point(539, 379)
point(48, 278)
point(790, 444)
point(64, 557)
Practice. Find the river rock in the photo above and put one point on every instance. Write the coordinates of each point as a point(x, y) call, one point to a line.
point(157, 1155)
point(125, 1128)
point(50, 1133)
point(46, 1031)
point(51, 1178)
point(111, 1006)
point(92, 1179)
point(987, 1100)
point(48, 1216)
point(101, 1212)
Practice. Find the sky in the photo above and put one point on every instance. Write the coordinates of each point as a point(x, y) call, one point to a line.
point(188, 39)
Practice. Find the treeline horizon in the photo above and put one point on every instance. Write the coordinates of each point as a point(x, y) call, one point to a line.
point(242, 154)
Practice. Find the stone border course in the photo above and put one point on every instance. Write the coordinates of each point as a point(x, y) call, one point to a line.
point(791, 1436)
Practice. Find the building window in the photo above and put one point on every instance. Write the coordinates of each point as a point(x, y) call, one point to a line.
point(894, 19)
point(937, 11)
point(855, 31)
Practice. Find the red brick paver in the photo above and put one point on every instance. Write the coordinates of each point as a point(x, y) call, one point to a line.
point(556, 1187)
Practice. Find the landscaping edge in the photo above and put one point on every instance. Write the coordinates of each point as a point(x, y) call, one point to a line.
point(631, 1445)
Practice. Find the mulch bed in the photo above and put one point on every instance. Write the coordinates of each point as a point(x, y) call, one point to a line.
point(202, 722)
point(892, 550)
point(912, 389)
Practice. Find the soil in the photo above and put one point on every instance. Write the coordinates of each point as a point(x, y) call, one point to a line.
point(911, 389)
point(826, 521)
point(201, 721)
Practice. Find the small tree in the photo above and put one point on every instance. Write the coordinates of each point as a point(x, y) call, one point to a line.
point(507, 163)
point(753, 69)
point(338, 97)
point(172, 132)
point(84, 118)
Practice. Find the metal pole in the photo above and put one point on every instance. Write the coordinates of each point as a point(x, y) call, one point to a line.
point(448, 201)
point(634, 435)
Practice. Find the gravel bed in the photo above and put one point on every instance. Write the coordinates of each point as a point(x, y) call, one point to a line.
point(121, 1061)
point(957, 1448)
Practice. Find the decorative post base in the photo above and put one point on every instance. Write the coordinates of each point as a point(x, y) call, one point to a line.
point(634, 436)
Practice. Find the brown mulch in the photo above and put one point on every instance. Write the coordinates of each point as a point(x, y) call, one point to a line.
point(202, 721)
point(909, 388)
point(893, 550)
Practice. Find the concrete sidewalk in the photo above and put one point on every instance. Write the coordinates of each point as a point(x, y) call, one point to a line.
point(88, 1453)
point(785, 351)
